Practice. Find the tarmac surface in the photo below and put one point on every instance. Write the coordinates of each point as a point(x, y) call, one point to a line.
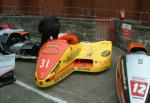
point(76, 88)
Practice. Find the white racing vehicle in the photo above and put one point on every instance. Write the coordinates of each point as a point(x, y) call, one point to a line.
point(7, 67)
point(133, 75)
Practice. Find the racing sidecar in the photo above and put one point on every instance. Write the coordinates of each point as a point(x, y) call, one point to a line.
point(18, 41)
point(58, 58)
point(7, 67)
point(133, 75)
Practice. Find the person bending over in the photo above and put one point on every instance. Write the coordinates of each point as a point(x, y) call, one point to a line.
point(48, 27)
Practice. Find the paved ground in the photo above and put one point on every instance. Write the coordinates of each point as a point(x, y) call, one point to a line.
point(77, 88)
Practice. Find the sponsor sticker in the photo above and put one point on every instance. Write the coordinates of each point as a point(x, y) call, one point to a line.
point(140, 61)
point(126, 31)
point(72, 56)
point(62, 74)
point(54, 50)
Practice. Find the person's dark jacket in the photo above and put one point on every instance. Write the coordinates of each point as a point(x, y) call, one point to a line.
point(49, 26)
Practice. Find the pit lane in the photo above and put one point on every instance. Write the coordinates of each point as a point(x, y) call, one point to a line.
point(77, 88)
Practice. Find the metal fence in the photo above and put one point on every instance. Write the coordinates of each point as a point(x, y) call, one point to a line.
point(73, 12)
point(105, 29)
point(85, 29)
point(88, 24)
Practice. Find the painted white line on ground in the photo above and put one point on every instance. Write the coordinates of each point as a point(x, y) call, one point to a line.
point(45, 95)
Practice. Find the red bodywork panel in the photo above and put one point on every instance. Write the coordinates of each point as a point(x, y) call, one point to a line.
point(138, 46)
point(6, 26)
point(50, 54)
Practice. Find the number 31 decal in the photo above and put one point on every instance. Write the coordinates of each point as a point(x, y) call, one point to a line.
point(138, 88)
point(44, 63)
